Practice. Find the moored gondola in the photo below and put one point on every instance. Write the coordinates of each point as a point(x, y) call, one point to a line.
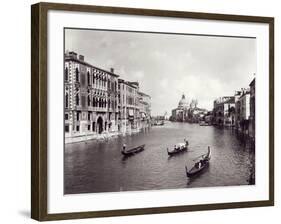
point(200, 165)
point(132, 151)
point(180, 147)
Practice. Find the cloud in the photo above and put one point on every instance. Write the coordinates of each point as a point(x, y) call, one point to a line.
point(168, 65)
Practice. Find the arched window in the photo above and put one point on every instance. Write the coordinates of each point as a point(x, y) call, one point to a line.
point(97, 80)
point(66, 75)
point(77, 74)
point(94, 77)
point(88, 78)
point(108, 84)
point(66, 100)
point(89, 101)
point(77, 99)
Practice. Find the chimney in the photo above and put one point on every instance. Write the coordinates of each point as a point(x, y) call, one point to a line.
point(72, 54)
point(112, 70)
point(81, 57)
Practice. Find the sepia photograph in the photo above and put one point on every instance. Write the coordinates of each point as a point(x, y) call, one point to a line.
point(153, 111)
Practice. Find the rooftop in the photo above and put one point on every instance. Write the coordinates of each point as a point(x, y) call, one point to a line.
point(72, 56)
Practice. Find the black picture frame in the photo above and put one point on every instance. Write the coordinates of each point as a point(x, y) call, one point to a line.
point(39, 106)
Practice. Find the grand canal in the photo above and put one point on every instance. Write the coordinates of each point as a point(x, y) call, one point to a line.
point(100, 167)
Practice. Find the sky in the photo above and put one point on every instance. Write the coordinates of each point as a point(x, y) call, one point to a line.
point(169, 65)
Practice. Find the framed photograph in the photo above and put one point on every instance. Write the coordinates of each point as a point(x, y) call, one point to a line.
point(141, 111)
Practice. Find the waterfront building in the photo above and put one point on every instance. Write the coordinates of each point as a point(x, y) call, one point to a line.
point(90, 99)
point(242, 108)
point(195, 114)
point(188, 112)
point(144, 102)
point(181, 112)
point(224, 111)
point(129, 119)
point(98, 104)
point(208, 118)
point(252, 125)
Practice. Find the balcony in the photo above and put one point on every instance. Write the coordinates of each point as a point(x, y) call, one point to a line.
point(99, 109)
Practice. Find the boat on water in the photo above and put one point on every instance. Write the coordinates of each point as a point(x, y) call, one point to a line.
point(178, 148)
point(158, 123)
point(132, 151)
point(199, 165)
point(203, 123)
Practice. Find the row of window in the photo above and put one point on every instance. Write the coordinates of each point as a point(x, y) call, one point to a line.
point(95, 102)
point(66, 127)
point(77, 127)
point(99, 79)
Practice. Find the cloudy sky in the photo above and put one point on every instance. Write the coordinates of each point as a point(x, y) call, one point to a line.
point(168, 65)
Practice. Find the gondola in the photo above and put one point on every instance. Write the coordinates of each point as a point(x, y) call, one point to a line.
point(200, 165)
point(203, 123)
point(132, 151)
point(180, 147)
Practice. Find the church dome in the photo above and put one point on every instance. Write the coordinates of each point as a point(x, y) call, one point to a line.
point(183, 102)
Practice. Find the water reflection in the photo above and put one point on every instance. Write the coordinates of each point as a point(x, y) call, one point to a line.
point(100, 166)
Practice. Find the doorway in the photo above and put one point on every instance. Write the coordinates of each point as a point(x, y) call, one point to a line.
point(100, 125)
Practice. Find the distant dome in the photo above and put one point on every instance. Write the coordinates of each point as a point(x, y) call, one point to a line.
point(183, 102)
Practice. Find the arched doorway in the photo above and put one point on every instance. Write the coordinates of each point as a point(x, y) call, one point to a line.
point(100, 125)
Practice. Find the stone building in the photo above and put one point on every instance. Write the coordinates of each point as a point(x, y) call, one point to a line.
point(252, 118)
point(128, 106)
point(91, 99)
point(195, 114)
point(242, 108)
point(224, 111)
point(98, 104)
point(187, 112)
point(181, 112)
point(144, 102)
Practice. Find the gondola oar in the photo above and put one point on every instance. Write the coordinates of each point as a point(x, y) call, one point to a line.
point(186, 171)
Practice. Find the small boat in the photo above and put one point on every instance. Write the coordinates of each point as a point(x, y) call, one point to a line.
point(200, 165)
point(180, 147)
point(132, 151)
point(203, 123)
point(158, 123)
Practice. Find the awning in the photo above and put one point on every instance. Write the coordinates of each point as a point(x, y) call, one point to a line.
point(131, 112)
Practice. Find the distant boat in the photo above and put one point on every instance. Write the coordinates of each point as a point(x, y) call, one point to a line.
point(180, 147)
point(203, 123)
point(132, 151)
point(200, 165)
point(158, 122)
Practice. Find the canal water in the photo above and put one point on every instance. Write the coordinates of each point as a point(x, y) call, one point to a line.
point(100, 167)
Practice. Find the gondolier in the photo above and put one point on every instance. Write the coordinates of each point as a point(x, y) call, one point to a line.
point(180, 147)
point(199, 166)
